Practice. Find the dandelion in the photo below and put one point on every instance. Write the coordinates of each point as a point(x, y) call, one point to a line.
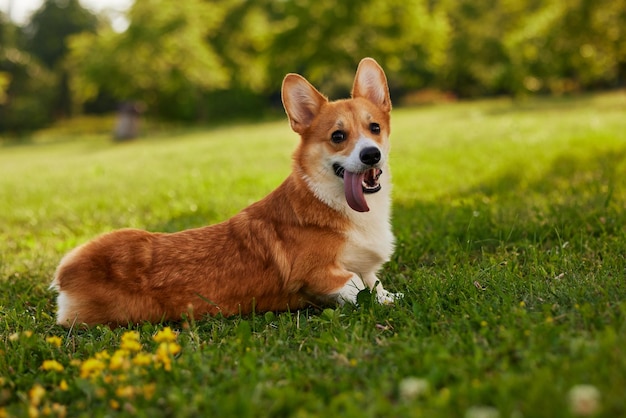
point(584, 400)
point(52, 366)
point(54, 341)
point(130, 341)
point(33, 412)
point(125, 392)
point(168, 349)
point(36, 394)
point(164, 336)
point(142, 359)
point(114, 404)
point(149, 390)
point(412, 388)
point(120, 360)
point(91, 368)
point(59, 410)
point(63, 385)
point(165, 352)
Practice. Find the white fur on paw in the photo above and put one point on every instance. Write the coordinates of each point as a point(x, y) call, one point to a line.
point(349, 291)
point(388, 298)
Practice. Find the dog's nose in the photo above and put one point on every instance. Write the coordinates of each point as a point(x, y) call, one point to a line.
point(370, 155)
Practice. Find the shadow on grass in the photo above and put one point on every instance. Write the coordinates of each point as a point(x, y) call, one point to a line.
point(577, 198)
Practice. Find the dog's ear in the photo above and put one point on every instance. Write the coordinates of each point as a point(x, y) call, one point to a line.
point(370, 83)
point(302, 101)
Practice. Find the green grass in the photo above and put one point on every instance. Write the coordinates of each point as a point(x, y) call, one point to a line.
point(510, 219)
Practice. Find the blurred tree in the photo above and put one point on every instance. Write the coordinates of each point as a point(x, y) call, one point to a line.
point(195, 58)
point(26, 87)
point(46, 39)
point(162, 59)
point(324, 39)
point(562, 46)
point(477, 63)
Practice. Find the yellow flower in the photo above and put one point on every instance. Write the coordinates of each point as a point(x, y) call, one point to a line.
point(91, 368)
point(148, 390)
point(33, 412)
point(165, 335)
point(59, 410)
point(54, 341)
point(125, 392)
point(114, 404)
point(165, 352)
point(52, 365)
point(130, 341)
point(36, 394)
point(142, 359)
point(119, 360)
point(168, 349)
point(63, 385)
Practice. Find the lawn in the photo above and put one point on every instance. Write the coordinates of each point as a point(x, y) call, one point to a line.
point(511, 242)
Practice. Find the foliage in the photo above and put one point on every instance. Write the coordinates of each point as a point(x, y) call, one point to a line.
point(51, 25)
point(197, 60)
point(26, 87)
point(165, 63)
point(46, 38)
point(472, 49)
point(510, 250)
point(33, 80)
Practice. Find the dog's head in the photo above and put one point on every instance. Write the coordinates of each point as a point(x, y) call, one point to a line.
point(345, 143)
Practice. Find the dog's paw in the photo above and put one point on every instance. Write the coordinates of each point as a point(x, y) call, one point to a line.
point(349, 292)
point(388, 298)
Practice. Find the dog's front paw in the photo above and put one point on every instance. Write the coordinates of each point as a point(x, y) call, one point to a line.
point(348, 293)
point(388, 298)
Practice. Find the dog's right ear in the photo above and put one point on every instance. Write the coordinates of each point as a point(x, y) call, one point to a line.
point(302, 101)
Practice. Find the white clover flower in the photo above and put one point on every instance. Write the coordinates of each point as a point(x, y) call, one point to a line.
point(412, 388)
point(584, 400)
point(482, 411)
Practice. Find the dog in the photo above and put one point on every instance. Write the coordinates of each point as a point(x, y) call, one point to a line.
point(318, 239)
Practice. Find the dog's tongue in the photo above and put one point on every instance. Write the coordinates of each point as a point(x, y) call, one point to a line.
point(353, 187)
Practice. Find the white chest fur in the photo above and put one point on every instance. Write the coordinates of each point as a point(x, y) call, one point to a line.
point(370, 241)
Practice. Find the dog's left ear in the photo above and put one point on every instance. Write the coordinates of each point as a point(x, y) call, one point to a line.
point(370, 83)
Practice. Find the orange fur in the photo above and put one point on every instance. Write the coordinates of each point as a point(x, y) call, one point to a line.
point(286, 251)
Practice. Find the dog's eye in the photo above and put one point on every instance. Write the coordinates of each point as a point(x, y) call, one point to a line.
point(374, 128)
point(338, 137)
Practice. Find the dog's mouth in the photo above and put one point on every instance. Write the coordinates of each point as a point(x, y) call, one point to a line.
point(358, 184)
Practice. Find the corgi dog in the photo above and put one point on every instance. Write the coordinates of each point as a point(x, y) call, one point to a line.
point(318, 239)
